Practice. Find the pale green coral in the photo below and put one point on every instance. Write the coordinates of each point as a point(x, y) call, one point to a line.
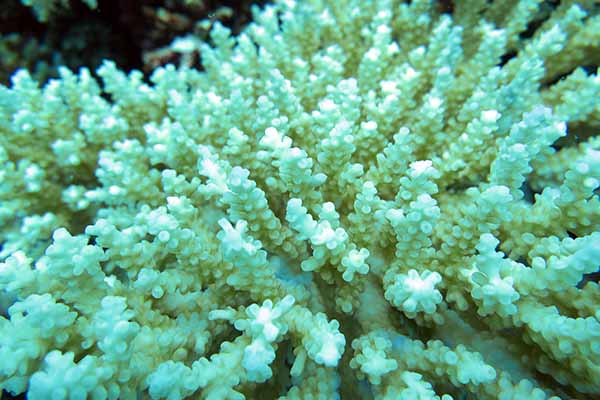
point(45, 8)
point(352, 199)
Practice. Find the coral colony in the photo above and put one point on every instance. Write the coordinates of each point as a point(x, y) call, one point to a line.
point(350, 199)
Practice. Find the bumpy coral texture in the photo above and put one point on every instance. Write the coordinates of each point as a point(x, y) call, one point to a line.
point(351, 199)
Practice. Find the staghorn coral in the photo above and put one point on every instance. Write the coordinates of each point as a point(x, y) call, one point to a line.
point(352, 199)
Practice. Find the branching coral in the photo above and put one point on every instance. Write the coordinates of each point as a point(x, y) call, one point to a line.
point(44, 8)
point(356, 199)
